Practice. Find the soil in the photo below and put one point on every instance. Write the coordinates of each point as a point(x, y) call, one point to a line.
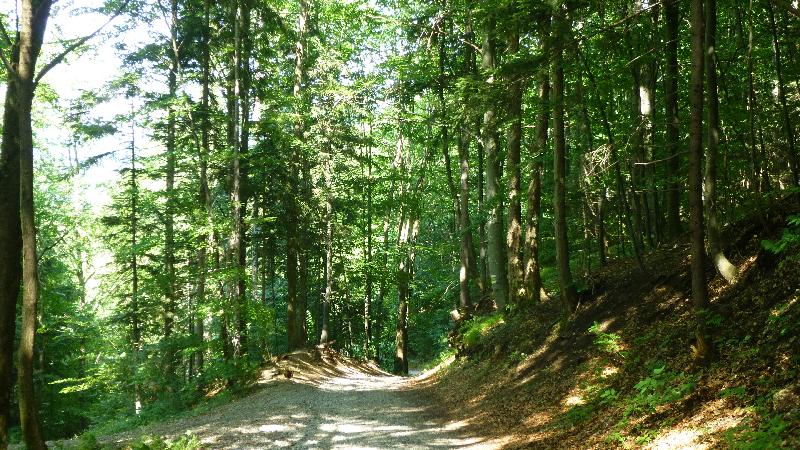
point(318, 399)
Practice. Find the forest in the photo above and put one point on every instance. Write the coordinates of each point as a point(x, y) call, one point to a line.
point(533, 198)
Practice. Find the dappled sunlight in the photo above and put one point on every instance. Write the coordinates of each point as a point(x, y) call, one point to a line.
point(702, 430)
point(329, 405)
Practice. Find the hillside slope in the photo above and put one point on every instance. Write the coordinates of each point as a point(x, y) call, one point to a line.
point(620, 373)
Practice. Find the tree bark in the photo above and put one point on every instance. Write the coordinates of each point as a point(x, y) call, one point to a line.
point(33, 24)
point(569, 297)
point(368, 260)
point(168, 313)
point(496, 260)
point(725, 268)
point(672, 16)
point(205, 239)
point(516, 288)
point(703, 347)
point(787, 121)
point(10, 247)
point(326, 304)
point(532, 279)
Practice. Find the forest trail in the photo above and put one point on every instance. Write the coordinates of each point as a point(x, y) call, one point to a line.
point(330, 402)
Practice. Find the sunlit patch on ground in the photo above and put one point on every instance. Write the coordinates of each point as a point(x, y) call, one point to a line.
point(328, 403)
point(702, 430)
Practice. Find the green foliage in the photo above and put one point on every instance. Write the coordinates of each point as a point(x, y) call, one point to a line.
point(789, 237)
point(478, 327)
point(660, 387)
point(768, 434)
point(610, 343)
point(158, 443)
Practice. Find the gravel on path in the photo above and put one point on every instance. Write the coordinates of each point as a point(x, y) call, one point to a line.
point(336, 406)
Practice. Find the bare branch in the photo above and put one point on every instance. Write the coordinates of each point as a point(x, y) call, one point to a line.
point(75, 45)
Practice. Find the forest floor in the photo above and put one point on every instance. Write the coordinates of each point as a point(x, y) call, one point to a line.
point(620, 373)
point(327, 402)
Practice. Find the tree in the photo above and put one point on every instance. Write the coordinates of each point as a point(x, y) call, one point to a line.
point(494, 223)
point(569, 298)
point(703, 347)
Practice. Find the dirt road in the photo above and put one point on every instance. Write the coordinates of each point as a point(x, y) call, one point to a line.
point(332, 406)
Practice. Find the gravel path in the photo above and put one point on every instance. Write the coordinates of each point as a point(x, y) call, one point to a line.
point(342, 409)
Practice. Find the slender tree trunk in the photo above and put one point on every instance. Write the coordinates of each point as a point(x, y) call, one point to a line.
point(532, 272)
point(569, 297)
point(326, 304)
point(494, 223)
point(468, 272)
point(787, 121)
point(703, 347)
point(533, 278)
point(205, 239)
point(403, 282)
point(296, 232)
point(725, 268)
point(33, 23)
point(672, 16)
point(243, 194)
point(368, 261)
point(483, 267)
point(514, 236)
point(10, 247)
point(169, 214)
point(755, 159)
point(136, 326)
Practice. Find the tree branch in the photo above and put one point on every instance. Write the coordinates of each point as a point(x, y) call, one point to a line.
point(6, 37)
point(58, 59)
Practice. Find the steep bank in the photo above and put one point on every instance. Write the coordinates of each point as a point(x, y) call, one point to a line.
point(620, 372)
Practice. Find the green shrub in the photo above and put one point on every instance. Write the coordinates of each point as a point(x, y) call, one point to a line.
point(789, 237)
point(478, 327)
point(660, 387)
point(606, 342)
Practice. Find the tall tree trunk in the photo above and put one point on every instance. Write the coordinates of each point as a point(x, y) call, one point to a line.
point(368, 260)
point(136, 326)
point(205, 239)
point(483, 266)
point(243, 191)
point(514, 236)
point(169, 213)
point(651, 78)
point(494, 224)
point(532, 279)
point(468, 272)
point(403, 287)
point(33, 24)
point(672, 16)
point(725, 268)
point(569, 296)
point(326, 304)
point(298, 336)
point(755, 158)
point(703, 347)
point(10, 247)
point(787, 121)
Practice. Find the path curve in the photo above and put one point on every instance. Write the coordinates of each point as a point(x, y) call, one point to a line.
point(343, 408)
